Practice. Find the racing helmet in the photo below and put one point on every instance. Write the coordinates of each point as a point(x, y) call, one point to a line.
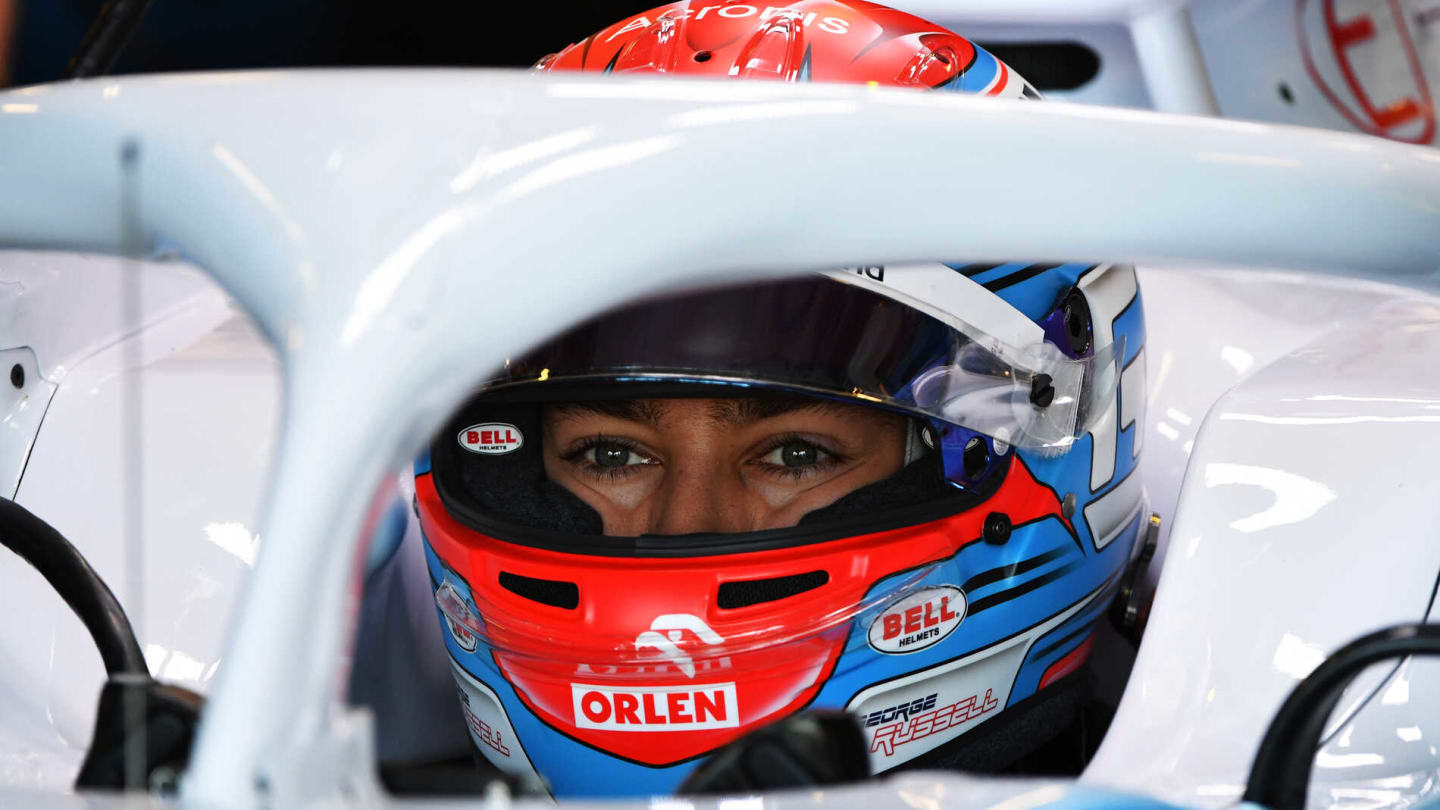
point(949, 608)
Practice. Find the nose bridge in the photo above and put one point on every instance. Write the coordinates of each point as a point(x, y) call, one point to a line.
point(701, 495)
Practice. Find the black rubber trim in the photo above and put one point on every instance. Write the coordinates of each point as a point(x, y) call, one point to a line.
point(1380, 684)
point(65, 569)
point(1280, 774)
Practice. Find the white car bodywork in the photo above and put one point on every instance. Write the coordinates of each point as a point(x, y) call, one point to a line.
point(344, 246)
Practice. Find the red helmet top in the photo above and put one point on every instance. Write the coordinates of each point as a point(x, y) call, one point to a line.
point(810, 40)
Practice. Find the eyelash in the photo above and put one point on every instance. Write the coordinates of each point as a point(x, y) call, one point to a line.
point(576, 456)
point(828, 458)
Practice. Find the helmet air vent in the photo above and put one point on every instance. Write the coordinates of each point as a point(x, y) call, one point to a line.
point(545, 591)
point(757, 591)
point(775, 51)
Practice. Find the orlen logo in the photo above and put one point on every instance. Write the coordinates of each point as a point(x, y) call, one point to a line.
point(674, 626)
point(491, 439)
point(918, 621)
point(655, 708)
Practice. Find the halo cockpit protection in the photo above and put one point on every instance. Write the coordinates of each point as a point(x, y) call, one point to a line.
point(947, 603)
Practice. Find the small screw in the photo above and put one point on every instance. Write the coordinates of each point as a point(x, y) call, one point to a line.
point(17, 376)
point(997, 528)
point(1067, 506)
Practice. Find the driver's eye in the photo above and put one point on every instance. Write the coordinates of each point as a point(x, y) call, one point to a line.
point(794, 454)
point(612, 456)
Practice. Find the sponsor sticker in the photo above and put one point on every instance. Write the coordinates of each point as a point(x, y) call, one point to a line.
point(918, 621)
point(919, 725)
point(486, 734)
point(459, 617)
point(491, 439)
point(489, 726)
point(902, 711)
point(671, 630)
point(655, 708)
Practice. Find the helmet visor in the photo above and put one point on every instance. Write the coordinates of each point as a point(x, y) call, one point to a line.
point(820, 336)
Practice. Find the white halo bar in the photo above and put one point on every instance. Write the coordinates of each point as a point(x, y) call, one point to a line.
point(398, 234)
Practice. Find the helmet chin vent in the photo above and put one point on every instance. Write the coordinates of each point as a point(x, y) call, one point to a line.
point(545, 591)
point(757, 591)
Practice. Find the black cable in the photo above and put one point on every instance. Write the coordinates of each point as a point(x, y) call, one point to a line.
point(1281, 771)
point(65, 569)
point(106, 38)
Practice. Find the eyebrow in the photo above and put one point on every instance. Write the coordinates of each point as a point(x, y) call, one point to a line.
point(631, 410)
point(732, 412)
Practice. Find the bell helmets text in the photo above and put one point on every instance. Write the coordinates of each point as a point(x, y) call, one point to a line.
point(491, 439)
point(655, 708)
point(918, 621)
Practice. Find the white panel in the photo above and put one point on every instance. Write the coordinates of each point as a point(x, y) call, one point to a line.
point(1102, 437)
point(1299, 529)
point(1108, 289)
point(209, 386)
point(1132, 400)
point(1110, 513)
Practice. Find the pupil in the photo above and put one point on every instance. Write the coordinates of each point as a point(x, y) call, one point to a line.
point(611, 455)
point(798, 455)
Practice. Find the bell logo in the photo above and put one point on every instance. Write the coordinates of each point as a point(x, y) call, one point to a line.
point(655, 708)
point(918, 621)
point(491, 439)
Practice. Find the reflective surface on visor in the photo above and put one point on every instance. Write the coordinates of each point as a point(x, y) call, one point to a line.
point(822, 336)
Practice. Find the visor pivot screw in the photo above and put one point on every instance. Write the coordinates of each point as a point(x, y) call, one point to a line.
point(997, 528)
point(17, 376)
point(1042, 391)
point(1067, 506)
